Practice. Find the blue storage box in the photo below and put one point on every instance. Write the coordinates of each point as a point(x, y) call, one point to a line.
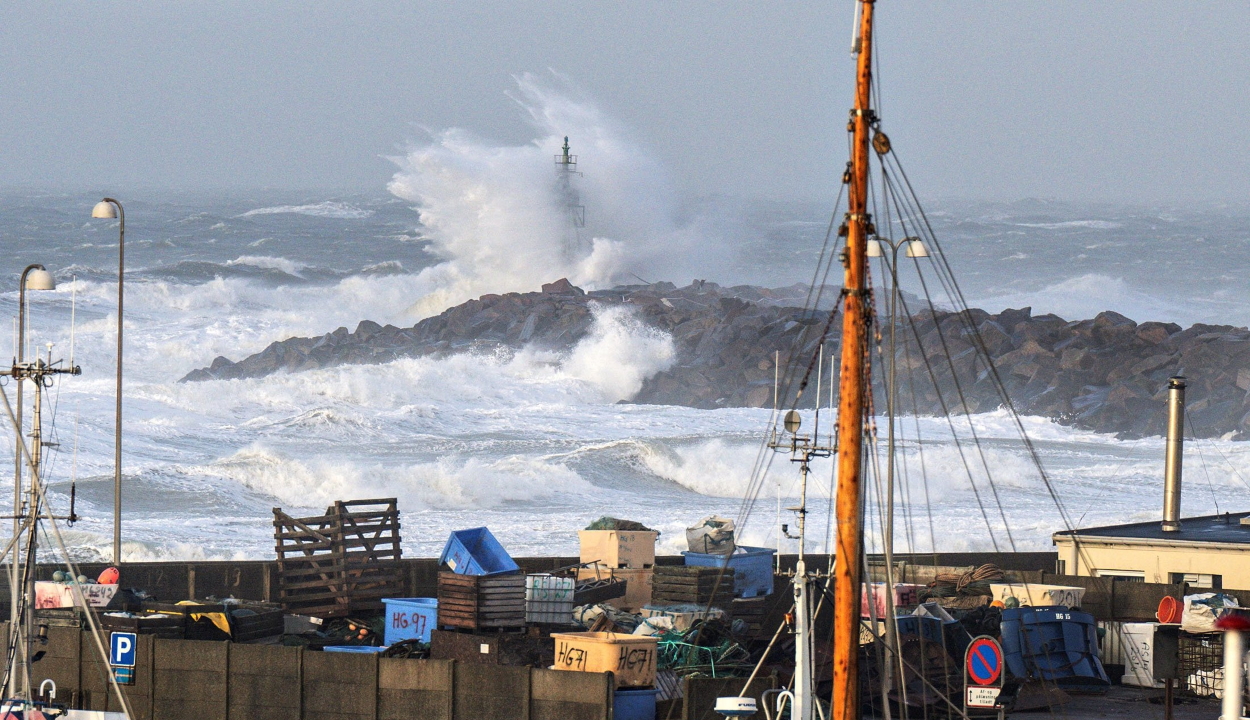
point(409, 619)
point(752, 568)
point(1053, 644)
point(634, 704)
point(476, 552)
point(358, 649)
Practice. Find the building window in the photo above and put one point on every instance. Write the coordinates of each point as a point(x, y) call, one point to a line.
point(1063, 567)
point(1122, 575)
point(1198, 580)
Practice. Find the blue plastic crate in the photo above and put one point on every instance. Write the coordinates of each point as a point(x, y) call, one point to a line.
point(358, 649)
point(752, 569)
point(634, 704)
point(409, 619)
point(476, 552)
point(1054, 644)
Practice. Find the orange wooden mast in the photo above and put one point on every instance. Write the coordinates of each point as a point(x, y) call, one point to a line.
point(855, 320)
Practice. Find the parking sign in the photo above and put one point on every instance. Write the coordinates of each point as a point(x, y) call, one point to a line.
point(122, 647)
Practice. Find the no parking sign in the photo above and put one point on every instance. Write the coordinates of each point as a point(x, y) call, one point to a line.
point(983, 674)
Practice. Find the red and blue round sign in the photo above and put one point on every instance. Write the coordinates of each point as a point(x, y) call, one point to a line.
point(984, 662)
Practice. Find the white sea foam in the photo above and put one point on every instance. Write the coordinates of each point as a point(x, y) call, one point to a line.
point(265, 262)
point(1088, 224)
point(716, 468)
point(450, 482)
point(327, 209)
point(1084, 296)
point(497, 217)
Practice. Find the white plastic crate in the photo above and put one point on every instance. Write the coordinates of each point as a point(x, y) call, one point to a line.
point(549, 599)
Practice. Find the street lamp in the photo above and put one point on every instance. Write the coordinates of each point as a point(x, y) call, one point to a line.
point(915, 249)
point(110, 209)
point(34, 277)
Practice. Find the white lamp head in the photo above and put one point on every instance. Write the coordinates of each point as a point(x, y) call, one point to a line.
point(104, 209)
point(874, 248)
point(916, 248)
point(38, 279)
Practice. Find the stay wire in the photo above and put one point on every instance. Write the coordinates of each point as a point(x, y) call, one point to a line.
point(981, 346)
point(1194, 436)
point(963, 403)
point(764, 458)
point(911, 323)
point(992, 370)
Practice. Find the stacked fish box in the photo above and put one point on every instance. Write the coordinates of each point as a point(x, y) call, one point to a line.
point(692, 584)
point(483, 587)
point(549, 599)
point(627, 555)
point(632, 659)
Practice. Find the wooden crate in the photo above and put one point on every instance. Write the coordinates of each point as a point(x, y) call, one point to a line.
point(342, 562)
point(479, 602)
point(673, 584)
point(173, 627)
point(266, 623)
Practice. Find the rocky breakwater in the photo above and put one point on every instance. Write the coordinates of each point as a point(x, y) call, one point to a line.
point(1107, 374)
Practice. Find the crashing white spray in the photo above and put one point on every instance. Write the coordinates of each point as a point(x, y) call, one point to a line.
point(495, 215)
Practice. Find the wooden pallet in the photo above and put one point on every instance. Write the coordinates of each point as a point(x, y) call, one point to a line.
point(342, 562)
point(476, 602)
point(673, 584)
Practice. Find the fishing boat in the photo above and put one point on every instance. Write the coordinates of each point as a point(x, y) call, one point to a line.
point(880, 204)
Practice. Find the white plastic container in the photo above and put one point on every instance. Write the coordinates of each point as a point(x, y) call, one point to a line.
point(1038, 595)
point(549, 599)
point(1137, 651)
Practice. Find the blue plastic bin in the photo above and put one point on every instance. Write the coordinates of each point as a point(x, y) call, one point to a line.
point(752, 569)
point(1055, 645)
point(634, 704)
point(409, 619)
point(358, 649)
point(476, 552)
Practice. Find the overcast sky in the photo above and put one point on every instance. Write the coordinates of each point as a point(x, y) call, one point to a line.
point(1138, 101)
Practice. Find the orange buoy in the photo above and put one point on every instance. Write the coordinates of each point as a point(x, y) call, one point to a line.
point(1170, 610)
point(110, 576)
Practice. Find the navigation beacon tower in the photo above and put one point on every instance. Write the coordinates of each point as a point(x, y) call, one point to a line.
point(575, 212)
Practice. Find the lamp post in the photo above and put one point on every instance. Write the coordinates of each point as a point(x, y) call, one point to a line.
point(915, 249)
point(108, 208)
point(34, 277)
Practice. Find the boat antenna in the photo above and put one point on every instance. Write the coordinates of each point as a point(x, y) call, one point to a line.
point(855, 321)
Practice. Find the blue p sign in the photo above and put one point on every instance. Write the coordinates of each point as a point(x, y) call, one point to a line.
point(122, 649)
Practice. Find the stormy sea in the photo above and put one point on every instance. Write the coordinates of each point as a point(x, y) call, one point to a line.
point(533, 444)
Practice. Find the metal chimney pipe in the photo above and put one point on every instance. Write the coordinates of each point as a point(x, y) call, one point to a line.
point(1172, 456)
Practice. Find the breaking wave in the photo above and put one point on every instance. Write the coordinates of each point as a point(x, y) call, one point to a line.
point(497, 218)
point(327, 209)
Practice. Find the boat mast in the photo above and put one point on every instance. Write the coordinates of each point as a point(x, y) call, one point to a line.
point(846, 584)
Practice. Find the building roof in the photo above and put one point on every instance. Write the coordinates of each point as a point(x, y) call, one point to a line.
point(1225, 528)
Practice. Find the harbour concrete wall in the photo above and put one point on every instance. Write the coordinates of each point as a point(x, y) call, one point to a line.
point(202, 680)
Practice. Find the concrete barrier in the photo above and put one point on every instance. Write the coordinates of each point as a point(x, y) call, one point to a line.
point(190, 680)
point(491, 691)
point(410, 689)
point(264, 682)
point(340, 686)
point(560, 695)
